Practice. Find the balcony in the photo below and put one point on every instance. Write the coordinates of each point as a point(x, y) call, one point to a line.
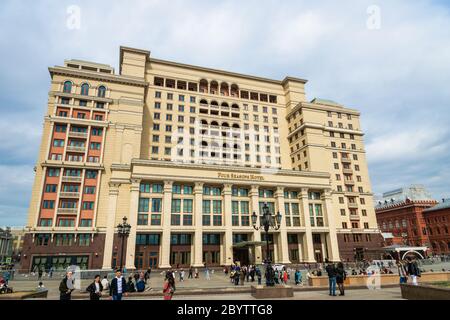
point(76, 149)
point(349, 182)
point(78, 134)
point(353, 205)
point(67, 210)
point(71, 179)
point(354, 217)
point(69, 195)
point(347, 171)
point(346, 160)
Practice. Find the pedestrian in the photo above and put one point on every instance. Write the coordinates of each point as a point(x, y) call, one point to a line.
point(413, 270)
point(95, 289)
point(140, 284)
point(402, 272)
point(196, 273)
point(242, 276)
point(190, 272)
point(331, 271)
point(276, 277)
point(130, 285)
point(298, 277)
point(237, 275)
point(50, 272)
point(6, 276)
point(285, 277)
point(66, 286)
point(169, 286)
point(147, 274)
point(136, 277)
point(341, 275)
point(105, 283)
point(40, 271)
point(118, 286)
point(259, 275)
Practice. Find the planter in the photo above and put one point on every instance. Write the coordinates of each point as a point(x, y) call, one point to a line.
point(424, 292)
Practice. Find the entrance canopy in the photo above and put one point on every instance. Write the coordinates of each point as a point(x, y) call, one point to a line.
point(247, 244)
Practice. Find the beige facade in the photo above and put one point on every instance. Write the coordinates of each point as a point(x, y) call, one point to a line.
point(187, 154)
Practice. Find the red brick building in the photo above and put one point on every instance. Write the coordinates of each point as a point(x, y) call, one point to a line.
point(405, 220)
point(437, 221)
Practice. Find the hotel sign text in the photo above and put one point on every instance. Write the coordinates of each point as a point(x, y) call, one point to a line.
point(240, 176)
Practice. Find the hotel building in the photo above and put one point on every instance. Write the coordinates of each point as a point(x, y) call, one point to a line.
point(187, 154)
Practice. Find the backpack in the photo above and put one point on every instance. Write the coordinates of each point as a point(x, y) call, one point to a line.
point(140, 286)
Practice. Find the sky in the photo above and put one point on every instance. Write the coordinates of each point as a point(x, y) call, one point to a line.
point(388, 59)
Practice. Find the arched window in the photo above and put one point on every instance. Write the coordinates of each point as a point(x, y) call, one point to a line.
point(84, 89)
point(225, 124)
point(235, 106)
point(204, 122)
point(101, 91)
point(67, 87)
point(236, 126)
point(224, 104)
point(204, 86)
point(214, 103)
point(234, 90)
point(214, 123)
point(203, 101)
point(214, 87)
point(204, 144)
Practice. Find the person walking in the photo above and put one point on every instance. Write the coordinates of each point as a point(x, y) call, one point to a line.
point(402, 272)
point(207, 276)
point(105, 283)
point(66, 287)
point(331, 271)
point(413, 270)
point(118, 286)
point(258, 275)
point(40, 272)
point(341, 275)
point(190, 272)
point(297, 277)
point(95, 288)
point(242, 276)
point(50, 272)
point(169, 286)
point(285, 277)
point(196, 273)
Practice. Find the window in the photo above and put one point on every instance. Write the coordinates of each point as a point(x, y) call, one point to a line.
point(142, 219)
point(101, 91)
point(156, 205)
point(50, 188)
point(86, 223)
point(58, 143)
point(91, 174)
point(88, 205)
point(67, 87)
point(48, 204)
point(84, 89)
point(143, 205)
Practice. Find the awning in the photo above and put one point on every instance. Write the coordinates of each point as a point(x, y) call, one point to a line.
point(246, 244)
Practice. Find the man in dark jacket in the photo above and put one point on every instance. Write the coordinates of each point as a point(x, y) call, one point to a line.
point(332, 273)
point(95, 289)
point(66, 287)
point(118, 287)
point(413, 270)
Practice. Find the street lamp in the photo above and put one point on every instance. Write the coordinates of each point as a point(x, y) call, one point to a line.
point(123, 230)
point(267, 221)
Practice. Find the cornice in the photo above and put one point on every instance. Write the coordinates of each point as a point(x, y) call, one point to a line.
point(244, 170)
point(97, 76)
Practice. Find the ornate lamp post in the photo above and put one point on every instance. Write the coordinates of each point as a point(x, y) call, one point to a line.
point(267, 221)
point(123, 231)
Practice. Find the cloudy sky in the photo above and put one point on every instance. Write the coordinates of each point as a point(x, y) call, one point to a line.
point(389, 59)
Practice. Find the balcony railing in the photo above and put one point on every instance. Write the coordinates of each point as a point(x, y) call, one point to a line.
point(71, 179)
point(78, 134)
point(68, 210)
point(354, 217)
point(346, 160)
point(76, 149)
point(349, 182)
point(353, 205)
point(347, 171)
point(69, 195)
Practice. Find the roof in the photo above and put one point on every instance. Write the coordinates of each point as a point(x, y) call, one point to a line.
point(325, 101)
point(445, 204)
point(398, 247)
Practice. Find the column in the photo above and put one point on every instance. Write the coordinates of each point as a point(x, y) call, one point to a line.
point(332, 241)
point(308, 240)
point(118, 143)
point(254, 199)
point(228, 225)
point(110, 221)
point(284, 249)
point(198, 222)
point(165, 239)
point(132, 220)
